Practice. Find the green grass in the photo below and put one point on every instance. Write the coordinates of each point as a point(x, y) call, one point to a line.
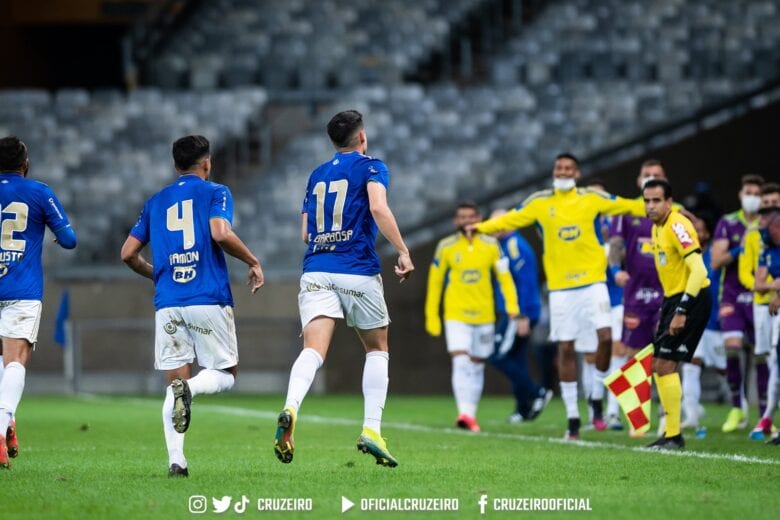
point(105, 458)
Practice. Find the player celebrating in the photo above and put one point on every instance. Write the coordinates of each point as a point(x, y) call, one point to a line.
point(27, 207)
point(188, 225)
point(736, 303)
point(686, 307)
point(469, 309)
point(575, 265)
point(345, 203)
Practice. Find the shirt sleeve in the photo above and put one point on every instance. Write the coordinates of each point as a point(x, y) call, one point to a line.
point(721, 231)
point(747, 261)
point(517, 218)
point(685, 239)
point(56, 218)
point(613, 205)
point(436, 275)
point(505, 281)
point(378, 172)
point(221, 204)
point(141, 228)
point(617, 227)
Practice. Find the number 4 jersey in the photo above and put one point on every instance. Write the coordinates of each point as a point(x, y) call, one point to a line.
point(341, 229)
point(189, 267)
point(26, 208)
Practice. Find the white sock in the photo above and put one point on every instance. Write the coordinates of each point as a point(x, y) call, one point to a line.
point(691, 391)
point(569, 395)
point(597, 392)
point(461, 383)
point(301, 377)
point(772, 389)
point(588, 370)
point(613, 408)
point(11, 388)
point(211, 381)
point(174, 440)
point(375, 382)
point(476, 386)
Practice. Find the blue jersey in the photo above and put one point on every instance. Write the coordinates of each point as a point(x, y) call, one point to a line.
point(714, 276)
point(189, 267)
point(341, 229)
point(770, 258)
point(522, 265)
point(26, 208)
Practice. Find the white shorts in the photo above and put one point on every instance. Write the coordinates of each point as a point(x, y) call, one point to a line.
point(477, 340)
point(711, 349)
point(617, 322)
point(766, 327)
point(207, 332)
point(587, 342)
point(20, 319)
point(359, 299)
point(580, 311)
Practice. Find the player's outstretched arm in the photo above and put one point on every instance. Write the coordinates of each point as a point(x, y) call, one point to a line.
point(131, 255)
point(385, 221)
point(65, 237)
point(222, 233)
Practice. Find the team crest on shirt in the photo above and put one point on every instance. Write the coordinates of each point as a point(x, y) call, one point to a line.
point(636, 222)
point(457, 258)
point(569, 233)
point(682, 234)
point(184, 274)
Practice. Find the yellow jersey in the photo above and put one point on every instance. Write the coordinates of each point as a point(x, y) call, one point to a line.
point(748, 263)
point(467, 268)
point(573, 255)
point(672, 242)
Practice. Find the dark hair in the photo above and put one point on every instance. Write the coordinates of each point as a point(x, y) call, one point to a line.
point(652, 162)
point(343, 128)
point(13, 153)
point(752, 179)
point(188, 150)
point(567, 155)
point(655, 183)
point(770, 187)
point(467, 204)
point(596, 181)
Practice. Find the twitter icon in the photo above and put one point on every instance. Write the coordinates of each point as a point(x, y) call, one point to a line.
point(221, 504)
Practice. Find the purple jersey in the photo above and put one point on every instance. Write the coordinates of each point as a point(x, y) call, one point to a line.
point(643, 288)
point(732, 227)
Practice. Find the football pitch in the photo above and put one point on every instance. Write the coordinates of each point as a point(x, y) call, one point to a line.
point(104, 457)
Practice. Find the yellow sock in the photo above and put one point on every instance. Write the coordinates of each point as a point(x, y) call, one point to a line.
point(670, 392)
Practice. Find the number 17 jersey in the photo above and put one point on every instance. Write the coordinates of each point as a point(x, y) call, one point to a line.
point(341, 230)
point(189, 267)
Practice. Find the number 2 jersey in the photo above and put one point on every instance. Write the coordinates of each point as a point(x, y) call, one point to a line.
point(341, 230)
point(26, 208)
point(189, 267)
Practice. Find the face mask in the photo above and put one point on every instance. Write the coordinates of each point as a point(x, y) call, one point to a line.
point(750, 203)
point(564, 184)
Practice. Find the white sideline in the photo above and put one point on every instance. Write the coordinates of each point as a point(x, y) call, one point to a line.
point(340, 421)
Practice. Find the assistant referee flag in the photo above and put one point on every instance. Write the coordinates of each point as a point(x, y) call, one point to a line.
point(632, 386)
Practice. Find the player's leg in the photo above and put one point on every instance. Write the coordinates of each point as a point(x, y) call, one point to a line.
point(617, 360)
point(596, 297)
point(691, 391)
point(16, 354)
point(458, 337)
point(173, 353)
point(12, 441)
point(506, 357)
point(565, 316)
point(764, 382)
point(733, 336)
point(213, 331)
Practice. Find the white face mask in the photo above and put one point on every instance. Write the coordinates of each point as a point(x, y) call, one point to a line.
point(562, 184)
point(751, 203)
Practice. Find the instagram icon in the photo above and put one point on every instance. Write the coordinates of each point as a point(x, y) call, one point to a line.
point(198, 504)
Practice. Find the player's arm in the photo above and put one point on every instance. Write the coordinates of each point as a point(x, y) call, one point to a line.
point(517, 218)
point(385, 221)
point(698, 273)
point(436, 275)
point(762, 282)
point(506, 284)
point(222, 233)
point(746, 264)
point(304, 228)
point(65, 237)
point(721, 255)
point(57, 220)
point(614, 205)
point(131, 255)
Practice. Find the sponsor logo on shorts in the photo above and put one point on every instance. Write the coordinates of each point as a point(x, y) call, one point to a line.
point(569, 233)
point(172, 326)
point(184, 274)
point(682, 349)
point(314, 287)
point(726, 309)
point(745, 297)
point(647, 295)
point(664, 350)
point(631, 320)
